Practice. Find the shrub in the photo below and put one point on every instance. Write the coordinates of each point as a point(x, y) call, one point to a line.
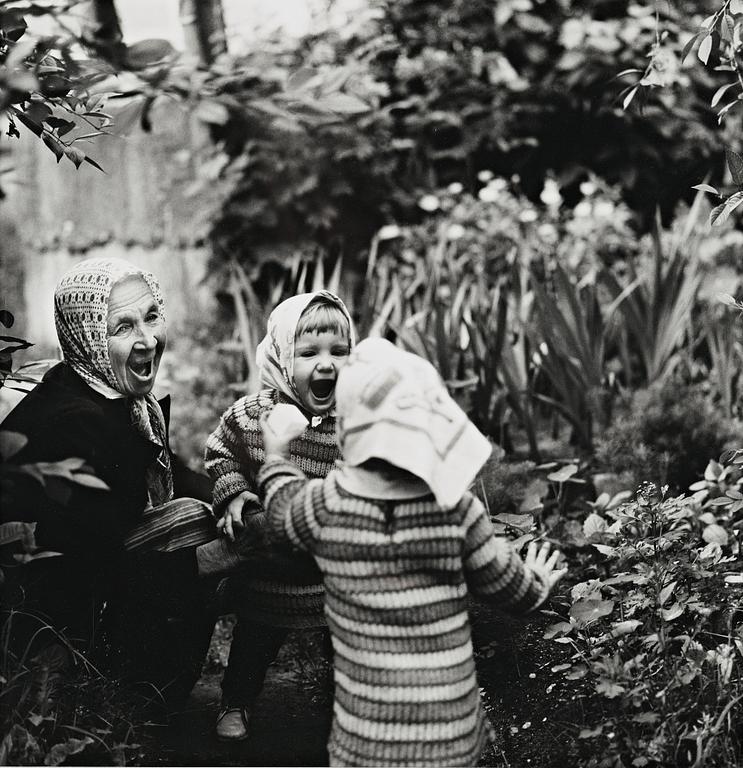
point(654, 655)
point(666, 434)
point(504, 486)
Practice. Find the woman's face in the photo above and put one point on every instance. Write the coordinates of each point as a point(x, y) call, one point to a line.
point(136, 335)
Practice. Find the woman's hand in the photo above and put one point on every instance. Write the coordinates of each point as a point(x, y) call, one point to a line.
point(273, 443)
point(544, 563)
point(232, 517)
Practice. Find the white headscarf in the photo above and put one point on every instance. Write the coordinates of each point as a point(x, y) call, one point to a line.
point(81, 318)
point(275, 354)
point(393, 405)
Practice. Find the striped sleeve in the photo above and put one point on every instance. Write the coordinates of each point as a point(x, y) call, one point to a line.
point(234, 450)
point(493, 568)
point(286, 494)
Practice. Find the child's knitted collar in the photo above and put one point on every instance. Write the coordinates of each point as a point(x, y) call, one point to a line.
point(315, 420)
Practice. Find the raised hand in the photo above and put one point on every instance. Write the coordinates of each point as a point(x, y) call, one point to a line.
point(544, 561)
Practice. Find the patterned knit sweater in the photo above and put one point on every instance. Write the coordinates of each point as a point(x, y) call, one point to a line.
point(281, 592)
point(397, 575)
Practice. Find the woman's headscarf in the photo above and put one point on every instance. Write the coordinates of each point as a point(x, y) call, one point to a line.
point(275, 354)
point(81, 317)
point(393, 405)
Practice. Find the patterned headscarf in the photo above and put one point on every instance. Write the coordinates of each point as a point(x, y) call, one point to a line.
point(275, 354)
point(392, 405)
point(81, 315)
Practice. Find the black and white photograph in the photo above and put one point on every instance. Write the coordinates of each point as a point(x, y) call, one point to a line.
point(370, 383)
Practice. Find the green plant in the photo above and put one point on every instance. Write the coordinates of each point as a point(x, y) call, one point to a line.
point(664, 434)
point(655, 636)
point(719, 491)
point(570, 333)
point(501, 359)
point(656, 302)
point(721, 336)
point(54, 704)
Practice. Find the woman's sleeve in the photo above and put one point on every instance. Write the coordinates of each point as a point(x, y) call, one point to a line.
point(287, 496)
point(73, 518)
point(226, 454)
point(494, 571)
point(190, 484)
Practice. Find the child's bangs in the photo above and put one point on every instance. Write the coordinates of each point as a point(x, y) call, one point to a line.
point(322, 317)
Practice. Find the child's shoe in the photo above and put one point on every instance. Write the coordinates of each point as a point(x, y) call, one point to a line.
point(232, 724)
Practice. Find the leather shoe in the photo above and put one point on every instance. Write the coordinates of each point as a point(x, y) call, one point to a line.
point(232, 724)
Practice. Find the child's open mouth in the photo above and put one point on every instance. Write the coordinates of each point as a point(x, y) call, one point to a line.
point(322, 389)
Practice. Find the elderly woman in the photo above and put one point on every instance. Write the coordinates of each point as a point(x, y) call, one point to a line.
point(125, 585)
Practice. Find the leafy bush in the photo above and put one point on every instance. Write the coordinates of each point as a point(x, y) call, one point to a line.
point(56, 705)
point(655, 636)
point(202, 381)
point(666, 434)
point(504, 486)
point(53, 704)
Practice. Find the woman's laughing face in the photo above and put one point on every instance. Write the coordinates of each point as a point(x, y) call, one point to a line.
point(136, 335)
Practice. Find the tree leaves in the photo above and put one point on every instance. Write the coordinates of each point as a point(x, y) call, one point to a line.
point(721, 213)
point(564, 474)
point(594, 525)
point(705, 49)
point(706, 188)
point(586, 611)
point(720, 92)
point(609, 688)
point(715, 534)
point(147, 53)
point(59, 753)
point(735, 164)
point(15, 530)
point(666, 592)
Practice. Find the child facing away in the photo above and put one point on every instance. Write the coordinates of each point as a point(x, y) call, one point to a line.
point(307, 342)
point(401, 542)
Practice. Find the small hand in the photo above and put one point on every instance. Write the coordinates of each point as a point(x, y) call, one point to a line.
point(232, 517)
point(273, 444)
point(544, 563)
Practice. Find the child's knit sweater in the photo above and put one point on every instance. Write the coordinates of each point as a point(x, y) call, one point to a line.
point(397, 574)
point(278, 594)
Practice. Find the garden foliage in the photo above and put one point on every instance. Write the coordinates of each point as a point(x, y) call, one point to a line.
point(532, 89)
point(655, 634)
point(666, 435)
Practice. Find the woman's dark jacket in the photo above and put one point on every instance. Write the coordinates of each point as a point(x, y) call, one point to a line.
point(64, 418)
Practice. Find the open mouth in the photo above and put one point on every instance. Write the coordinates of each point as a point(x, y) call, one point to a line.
point(322, 389)
point(142, 370)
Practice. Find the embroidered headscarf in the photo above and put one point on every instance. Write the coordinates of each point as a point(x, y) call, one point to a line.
point(275, 354)
point(81, 316)
point(393, 405)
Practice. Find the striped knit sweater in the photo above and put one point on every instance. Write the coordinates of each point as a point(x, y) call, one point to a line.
point(397, 575)
point(278, 594)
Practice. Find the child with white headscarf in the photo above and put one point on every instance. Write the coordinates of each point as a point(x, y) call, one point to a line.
point(401, 542)
point(307, 342)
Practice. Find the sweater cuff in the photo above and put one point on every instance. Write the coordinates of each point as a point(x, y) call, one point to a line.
point(226, 488)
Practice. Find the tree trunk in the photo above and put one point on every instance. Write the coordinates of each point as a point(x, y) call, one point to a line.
point(103, 32)
point(203, 29)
